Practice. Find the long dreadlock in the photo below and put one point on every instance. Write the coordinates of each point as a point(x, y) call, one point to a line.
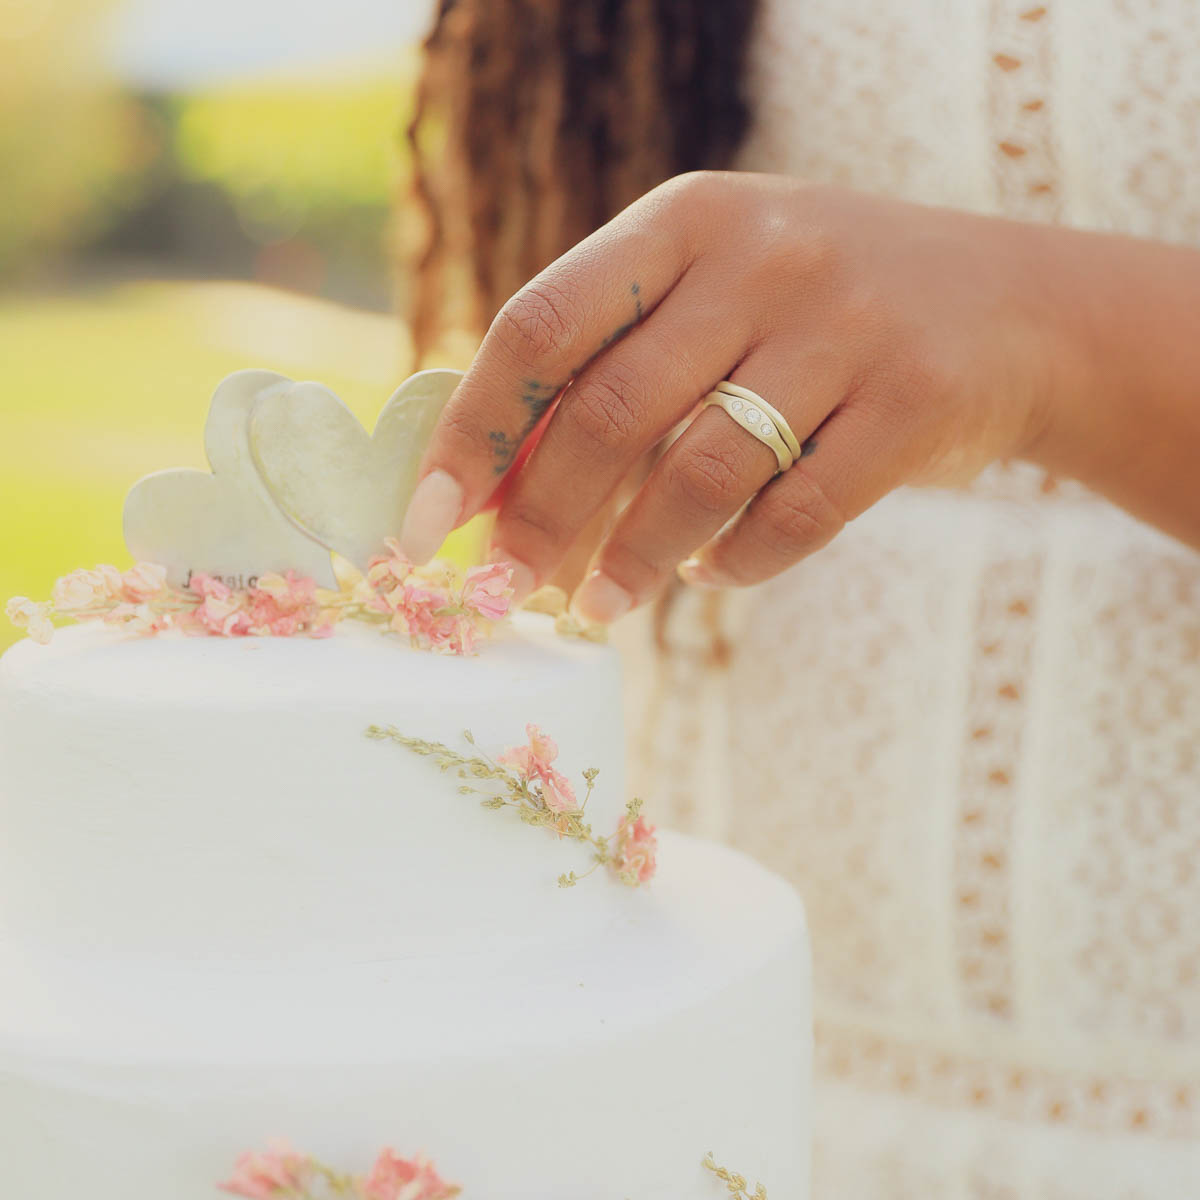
point(537, 120)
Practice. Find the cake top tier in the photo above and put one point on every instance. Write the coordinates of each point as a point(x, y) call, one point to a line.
point(357, 666)
point(216, 798)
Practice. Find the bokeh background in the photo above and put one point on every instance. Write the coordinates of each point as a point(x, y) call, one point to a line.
point(188, 189)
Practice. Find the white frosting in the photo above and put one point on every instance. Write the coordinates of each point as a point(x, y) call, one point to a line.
point(227, 916)
point(206, 798)
point(604, 1067)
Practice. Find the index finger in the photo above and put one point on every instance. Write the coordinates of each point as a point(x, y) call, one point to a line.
point(566, 315)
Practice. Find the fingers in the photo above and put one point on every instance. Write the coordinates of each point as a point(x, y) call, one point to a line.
point(541, 339)
point(854, 459)
point(622, 404)
point(698, 486)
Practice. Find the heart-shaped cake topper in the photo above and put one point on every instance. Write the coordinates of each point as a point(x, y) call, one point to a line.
point(226, 523)
point(342, 488)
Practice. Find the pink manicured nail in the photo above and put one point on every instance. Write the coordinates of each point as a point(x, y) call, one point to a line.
point(433, 512)
point(696, 572)
point(523, 578)
point(601, 599)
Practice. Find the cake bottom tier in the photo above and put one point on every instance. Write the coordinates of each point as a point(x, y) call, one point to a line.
point(601, 1069)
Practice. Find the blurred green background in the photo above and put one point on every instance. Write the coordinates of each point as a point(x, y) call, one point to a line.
point(188, 190)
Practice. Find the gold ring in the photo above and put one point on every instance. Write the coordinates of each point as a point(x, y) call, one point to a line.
point(785, 430)
point(754, 415)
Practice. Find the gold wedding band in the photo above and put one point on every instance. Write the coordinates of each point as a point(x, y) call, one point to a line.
point(785, 430)
point(756, 416)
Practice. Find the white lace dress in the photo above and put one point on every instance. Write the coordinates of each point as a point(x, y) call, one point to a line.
point(969, 730)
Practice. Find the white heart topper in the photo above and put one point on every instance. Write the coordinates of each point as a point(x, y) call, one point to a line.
point(294, 476)
point(344, 489)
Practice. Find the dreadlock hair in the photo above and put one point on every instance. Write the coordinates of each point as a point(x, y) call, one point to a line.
point(536, 121)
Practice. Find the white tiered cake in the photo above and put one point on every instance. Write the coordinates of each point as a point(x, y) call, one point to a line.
point(226, 915)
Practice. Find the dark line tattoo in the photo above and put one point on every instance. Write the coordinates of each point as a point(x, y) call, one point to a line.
point(537, 397)
point(806, 448)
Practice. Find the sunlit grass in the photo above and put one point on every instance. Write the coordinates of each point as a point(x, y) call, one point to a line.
point(102, 388)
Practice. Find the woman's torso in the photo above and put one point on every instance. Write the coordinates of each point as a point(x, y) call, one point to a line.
point(969, 730)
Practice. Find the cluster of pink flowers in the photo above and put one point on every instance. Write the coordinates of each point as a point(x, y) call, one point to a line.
point(438, 610)
point(261, 1174)
point(396, 1178)
point(438, 607)
point(277, 606)
point(631, 853)
point(533, 763)
point(283, 1174)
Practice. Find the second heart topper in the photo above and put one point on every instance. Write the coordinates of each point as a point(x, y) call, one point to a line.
point(294, 476)
point(345, 490)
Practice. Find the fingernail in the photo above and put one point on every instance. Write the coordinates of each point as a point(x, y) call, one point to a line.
point(432, 513)
point(698, 573)
point(601, 599)
point(523, 578)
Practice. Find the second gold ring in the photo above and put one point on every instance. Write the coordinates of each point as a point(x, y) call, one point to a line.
point(758, 417)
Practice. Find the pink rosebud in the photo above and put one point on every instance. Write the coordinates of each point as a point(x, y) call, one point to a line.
point(275, 1172)
point(488, 590)
point(636, 856)
point(396, 1178)
point(143, 581)
point(33, 618)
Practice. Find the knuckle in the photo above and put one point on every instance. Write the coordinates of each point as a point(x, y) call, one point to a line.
point(798, 518)
point(707, 481)
point(694, 185)
point(691, 198)
point(603, 411)
point(539, 322)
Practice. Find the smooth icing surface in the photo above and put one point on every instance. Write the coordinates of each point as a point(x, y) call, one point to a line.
point(226, 916)
point(209, 798)
point(604, 1067)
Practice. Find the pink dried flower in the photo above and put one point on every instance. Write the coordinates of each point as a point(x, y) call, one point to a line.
point(488, 590)
point(282, 605)
point(208, 585)
point(82, 590)
point(259, 1175)
point(533, 763)
point(384, 569)
point(396, 1178)
point(636, 855)
point(220, 611)
point(33, 618)
point(142, 582)
point(558, 793)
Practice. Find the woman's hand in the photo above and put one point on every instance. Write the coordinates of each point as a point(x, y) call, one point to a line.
point(902, 344)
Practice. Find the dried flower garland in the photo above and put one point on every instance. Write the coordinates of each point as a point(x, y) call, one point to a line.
point(541, 795)
point(279, 1173)
point(438, 606)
